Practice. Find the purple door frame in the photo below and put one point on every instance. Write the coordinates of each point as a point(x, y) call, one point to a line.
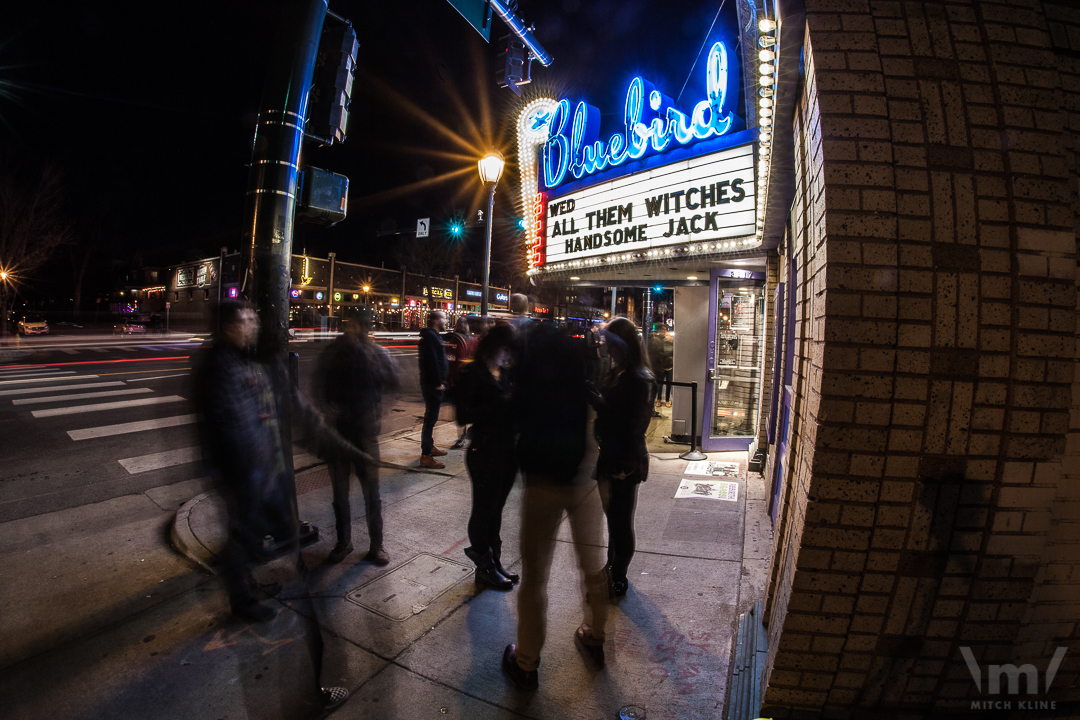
point(711, 444)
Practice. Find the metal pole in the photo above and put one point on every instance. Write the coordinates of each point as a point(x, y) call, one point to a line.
point(487, 251)
point(518, 28)
point(330, 291)
point(614, 290)
point(646, 316)
point(693, 453)
point(220, 282)
point(274, 175)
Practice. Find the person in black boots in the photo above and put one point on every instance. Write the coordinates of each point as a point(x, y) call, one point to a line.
point(484, 399)
point(434, 370)
point(623, 413)
point(354, 373)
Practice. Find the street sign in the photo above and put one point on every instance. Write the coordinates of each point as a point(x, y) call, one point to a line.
point(422, 226)
point(168, 305)
point(478, 14)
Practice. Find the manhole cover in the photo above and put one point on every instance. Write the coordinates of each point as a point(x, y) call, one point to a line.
point(410, 588)
point(632, 712)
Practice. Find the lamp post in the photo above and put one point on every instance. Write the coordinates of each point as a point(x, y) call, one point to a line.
point(491, 168)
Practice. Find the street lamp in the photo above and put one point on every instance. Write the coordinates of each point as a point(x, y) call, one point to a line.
point(491, 168)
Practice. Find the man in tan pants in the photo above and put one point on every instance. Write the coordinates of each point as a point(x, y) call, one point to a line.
point(552, 405)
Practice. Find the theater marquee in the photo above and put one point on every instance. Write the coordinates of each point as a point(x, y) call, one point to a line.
point(670, 179)
point(703, 199)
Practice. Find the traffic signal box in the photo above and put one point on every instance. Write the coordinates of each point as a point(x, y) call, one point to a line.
point(517, 64)
point(335, 67)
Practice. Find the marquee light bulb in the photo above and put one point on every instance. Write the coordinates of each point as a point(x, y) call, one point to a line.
point(766, 26)
point(766, 69)
point(766, 55)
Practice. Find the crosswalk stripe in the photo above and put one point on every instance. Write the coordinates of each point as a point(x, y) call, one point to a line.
point(131, 427)
point(96, 349)
point(36, 373)
point(81, 396)
point(158, 377)
point(69, 351)
point(45, 379)
point(97, 407)
point(156, 461)
point(54, 388)
point(125, 348)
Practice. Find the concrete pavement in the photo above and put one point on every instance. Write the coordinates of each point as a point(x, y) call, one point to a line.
point(150, 636)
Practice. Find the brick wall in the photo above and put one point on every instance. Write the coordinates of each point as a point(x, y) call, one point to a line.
point(930, 495)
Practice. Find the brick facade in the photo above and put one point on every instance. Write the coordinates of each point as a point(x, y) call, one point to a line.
point(930, 498)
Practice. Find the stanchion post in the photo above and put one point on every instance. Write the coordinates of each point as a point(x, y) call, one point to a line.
point(693, 453)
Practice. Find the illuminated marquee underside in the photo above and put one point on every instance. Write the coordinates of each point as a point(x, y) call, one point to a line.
point(701, 200)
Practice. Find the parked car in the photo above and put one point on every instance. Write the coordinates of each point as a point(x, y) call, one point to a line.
point(33, 325)
point(129, 327)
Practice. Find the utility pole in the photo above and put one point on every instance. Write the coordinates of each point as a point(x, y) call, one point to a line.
point(274, 175)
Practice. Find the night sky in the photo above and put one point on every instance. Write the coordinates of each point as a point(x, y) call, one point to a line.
point(149, 110)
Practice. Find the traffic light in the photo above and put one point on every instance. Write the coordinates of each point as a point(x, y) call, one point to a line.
point(328, 104)
point(516, 64)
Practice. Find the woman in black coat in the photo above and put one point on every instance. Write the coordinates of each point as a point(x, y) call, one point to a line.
point(623, 412)
point(484, 401)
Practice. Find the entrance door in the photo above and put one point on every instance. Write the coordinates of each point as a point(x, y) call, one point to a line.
point(733, 380)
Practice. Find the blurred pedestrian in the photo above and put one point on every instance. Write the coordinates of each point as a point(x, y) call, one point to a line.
point(354, 374)
point(434, 371)
point(484, 399)
point(551, 404)
point(623, 413)
point(519, 307)
point(460, 344)
point(246, 409)
point(660, 362)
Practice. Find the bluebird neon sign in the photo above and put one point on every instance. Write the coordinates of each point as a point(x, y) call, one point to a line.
point(652, 124)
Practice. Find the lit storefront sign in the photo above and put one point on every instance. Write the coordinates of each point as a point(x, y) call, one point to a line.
point(473, 293)
point(294, 294)
point(668, 182)
point(195, 275)
point(708, 198)
point(502, 297)
point(652, 125)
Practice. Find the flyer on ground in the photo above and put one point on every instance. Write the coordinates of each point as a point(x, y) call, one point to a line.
point(708, 489)
point(713, 468)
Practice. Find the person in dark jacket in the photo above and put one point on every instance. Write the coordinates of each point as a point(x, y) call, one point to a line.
point(246, 407)
point(660, 362)
point(623, 413)
point(484, 400)
point(434, 370)
point(460, 345)
point(551, 404)
point(354, 373)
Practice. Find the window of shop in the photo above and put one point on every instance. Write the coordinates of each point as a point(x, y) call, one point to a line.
point(737, 378)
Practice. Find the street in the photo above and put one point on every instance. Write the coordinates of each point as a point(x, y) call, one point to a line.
point(87, 421)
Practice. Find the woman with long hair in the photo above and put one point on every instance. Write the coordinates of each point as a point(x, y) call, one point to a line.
point(484, 401)
point(623, 413)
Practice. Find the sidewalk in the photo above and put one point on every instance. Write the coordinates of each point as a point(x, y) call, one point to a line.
point(423, 646)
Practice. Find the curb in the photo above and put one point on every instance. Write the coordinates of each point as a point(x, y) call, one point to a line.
point(184, 539)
